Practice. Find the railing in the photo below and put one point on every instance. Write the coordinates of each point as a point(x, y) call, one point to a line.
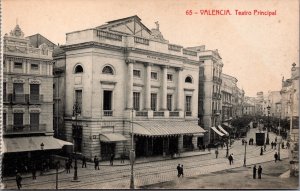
point(174, 114)
point(141, 113)
point(19, 129)
point(158, 113)
point(174, 47)
point(189, 52)
point(188, 113)
point(108, 113)
point(141, 40)
point(108, 35)
point(35, 99)
point(18, 98)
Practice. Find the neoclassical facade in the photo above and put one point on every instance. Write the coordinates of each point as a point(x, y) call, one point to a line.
point(127, 79)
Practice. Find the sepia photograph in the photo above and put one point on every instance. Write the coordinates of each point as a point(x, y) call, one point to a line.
point(161, 94)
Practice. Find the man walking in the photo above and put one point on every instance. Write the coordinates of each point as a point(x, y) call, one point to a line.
point(216, 152)
point(276, 156)
point(254, 172)
point(112, 156)
point(181, 171)
point(67, 166)
point(19, 181)
point(33, 171)
point(83, 162)
point(261, 151)
point(259, 171)
point(178, 170)
point(96, 161)
point(230, 158)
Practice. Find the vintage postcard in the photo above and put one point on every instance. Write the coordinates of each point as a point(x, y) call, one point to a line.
point(161, 94)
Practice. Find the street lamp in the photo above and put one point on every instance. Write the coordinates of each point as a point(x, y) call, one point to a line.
point(268, 129)
point(76, 113)
point(132, 153)
point(56, 179)
point(245, 153)
point(42, 148)
point(279, 139)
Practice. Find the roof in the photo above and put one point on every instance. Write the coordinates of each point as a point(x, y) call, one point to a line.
point(23, 144)
point(164, 128)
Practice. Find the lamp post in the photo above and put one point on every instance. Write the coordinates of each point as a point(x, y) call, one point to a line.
point(76, 112)
point(42, 148)
point(132, 153)
point(245, 153)
point(268, 129)
point(56, 177)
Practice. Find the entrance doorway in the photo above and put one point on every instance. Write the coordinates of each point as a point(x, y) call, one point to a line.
point(107, 149)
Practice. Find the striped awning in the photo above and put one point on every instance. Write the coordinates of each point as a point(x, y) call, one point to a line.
point(227, 125)
point(217, 131)
point(223, 130)
point(23, 144)
point(164, 128)
point(112, 137)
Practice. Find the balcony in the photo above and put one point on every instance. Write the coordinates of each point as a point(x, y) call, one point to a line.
point(141, 114)
point(188, 113)
point(158, 114)
point(216, 96)
point(141, 40)
point(35, 99)
point(24, 129)
point(107, 113)
point(18, 98)
point(216, 112)
point(174, 47)
point(108, 35)
point(174, 113)
point(217, 80)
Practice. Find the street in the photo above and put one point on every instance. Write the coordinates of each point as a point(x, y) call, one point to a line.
point(150, 173)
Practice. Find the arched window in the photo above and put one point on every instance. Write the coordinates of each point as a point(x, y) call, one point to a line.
point(188, 79)
point(78, 69)
point(107, 70)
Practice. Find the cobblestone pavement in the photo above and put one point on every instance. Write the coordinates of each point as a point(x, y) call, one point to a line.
point(153, 172)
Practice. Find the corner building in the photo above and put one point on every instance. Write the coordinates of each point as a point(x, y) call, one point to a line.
point(127, 78)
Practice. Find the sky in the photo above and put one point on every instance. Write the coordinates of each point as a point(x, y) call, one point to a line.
point(257, 50)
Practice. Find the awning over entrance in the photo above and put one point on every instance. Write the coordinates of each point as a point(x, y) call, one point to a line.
point(217, 131)
point(223, 130)
point(23, 144)
point(112, 137)
point(227, 125)
point(164, 128)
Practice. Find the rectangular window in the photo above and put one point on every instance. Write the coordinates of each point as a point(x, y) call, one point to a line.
point(18, 120)
point(18, 65)
point(154, 75)
point(188, 100)
point(107, 100)
point(4, 92)
point(34, 66)
point(78, 99)
point(169, 102)
point(136, 101)
point(170, 77)
point(34, 121)
point(18, 92)
point(137, 73)
point(153, 101)
point(4, 119)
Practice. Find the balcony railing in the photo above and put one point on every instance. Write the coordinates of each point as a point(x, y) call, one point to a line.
point(18, 98)
point(108, 113)
point(20, 129)
point(174, 47)
point(35, 99)
point(141, 40)
point(217, 80)
point(108, 35)
point(188, 113)
point(158, 113)
point(174, 114)
point(141, 113)
point(216, 96)
point(189, 52)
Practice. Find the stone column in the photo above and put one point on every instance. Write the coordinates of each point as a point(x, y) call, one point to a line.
point(41, 65)
point(164, 88)
point(7, 65)
point(129, 83)
point(24, 63)
point(11, 65)
point(194, 141)
point(179, 90)
point(180, 143)
point(148, 87)
point(51, 69)
point(28, 67)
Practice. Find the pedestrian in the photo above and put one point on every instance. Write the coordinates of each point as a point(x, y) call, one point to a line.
point(288, 145)
point(259, 171)
point(282, 145)
point(33, 171)
point(70, 162)
point(254, 172)
point(272, 144)
point(181, 171)
point(96, 161)
point(67, 166)
point(276, 156)
point(122, 157)
point(261, 151)
point(178, 170)
point(83, 162)
point(275, 139)
point(265, 147)
point(19, 180)
point(112, 156)
point(216, 152)
point(230, 159)
point(242, 141)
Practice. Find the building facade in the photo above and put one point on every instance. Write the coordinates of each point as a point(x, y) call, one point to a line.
point(274, 99)
point(134, 90)
point(228, 99)
point(27, 101)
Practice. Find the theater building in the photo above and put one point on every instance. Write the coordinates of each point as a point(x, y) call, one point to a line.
point(127, 79)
